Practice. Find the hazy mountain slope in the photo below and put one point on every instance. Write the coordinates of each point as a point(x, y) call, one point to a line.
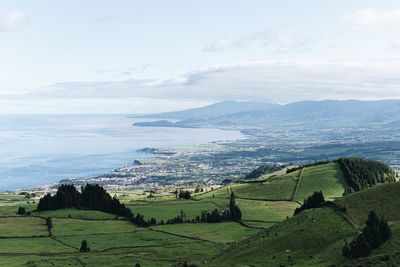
point(214, 110)
point(321, 114)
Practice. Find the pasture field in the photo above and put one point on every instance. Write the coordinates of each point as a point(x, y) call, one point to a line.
point(222, 192)
point(68, 227)
point(267, 211)
point(170, 209)
point(274, 188)
point(226, 232)
point(76, 214)
point(267, 235)
point(18, 226)
point(32, 246)
point(327, 178)
point(140, 238)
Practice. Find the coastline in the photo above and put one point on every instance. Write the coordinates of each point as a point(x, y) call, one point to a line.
point(155, 155)
point(145, 156)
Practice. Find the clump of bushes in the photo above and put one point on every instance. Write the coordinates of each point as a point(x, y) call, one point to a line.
point(316, 200)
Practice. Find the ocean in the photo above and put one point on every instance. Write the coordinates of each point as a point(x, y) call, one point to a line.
point(41, 149)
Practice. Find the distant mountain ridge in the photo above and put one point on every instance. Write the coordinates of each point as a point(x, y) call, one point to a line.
point(327, 113)
point(214, 110)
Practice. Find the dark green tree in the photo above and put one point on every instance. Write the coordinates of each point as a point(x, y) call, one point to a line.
point(362, 173)
point(375, 233)
point(372, 232)
point(84, 246)
point(21, 211)
point(316, 200)
point(49, 223)
point(234, 209)
point(385, 230)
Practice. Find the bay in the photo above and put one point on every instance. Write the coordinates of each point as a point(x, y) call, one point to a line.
point(41, 149)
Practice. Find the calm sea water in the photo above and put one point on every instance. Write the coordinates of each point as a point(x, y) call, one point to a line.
point(39, 149)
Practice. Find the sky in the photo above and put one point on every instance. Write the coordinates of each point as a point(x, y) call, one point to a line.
point(98, 56)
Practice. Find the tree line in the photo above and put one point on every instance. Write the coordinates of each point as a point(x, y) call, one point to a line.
point(233, 213)
point(375, 233)
point(362, 173)
point(95, 197)
point(91, 197)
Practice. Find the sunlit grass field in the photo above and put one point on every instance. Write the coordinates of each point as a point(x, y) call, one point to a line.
point(268, 234)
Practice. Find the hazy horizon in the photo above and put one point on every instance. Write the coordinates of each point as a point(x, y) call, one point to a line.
point(148, 57)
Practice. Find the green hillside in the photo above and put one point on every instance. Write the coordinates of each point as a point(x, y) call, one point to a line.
point(384, 199)
point(314, 237)
point(327, 178)
point(267, 235)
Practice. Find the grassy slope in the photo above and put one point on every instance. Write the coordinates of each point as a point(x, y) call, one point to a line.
point(274, 188)
point(219, 233)
point(310, 243)
point(115, 241)
point(313, 237)
point(267, 211)
point(327, 178)
point(384, 199)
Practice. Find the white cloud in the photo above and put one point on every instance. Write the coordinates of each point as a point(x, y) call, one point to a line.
point(271, 81)
point(290, 43)
point(12, 20)
point(374, 18)
point(278, 42)
point(94, 105)
point(395, 45)
point(220, 44)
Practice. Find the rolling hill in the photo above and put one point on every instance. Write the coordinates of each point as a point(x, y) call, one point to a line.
point(267, 235)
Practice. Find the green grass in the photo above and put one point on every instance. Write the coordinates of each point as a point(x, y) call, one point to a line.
point(393, 244)
point(222, 192)
point(32, 246)
point(258, 224)
point(141, 238)
point(66, 227)
point(275, 188)
point(318, 233)
point(327, 178)
point(384, 199)
point(218, 232)
point(10, 209)
point(312, 238)
point(274, 211)
point(167, 255)
point(77, 214)
point(170, 209)
point(22, 227)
